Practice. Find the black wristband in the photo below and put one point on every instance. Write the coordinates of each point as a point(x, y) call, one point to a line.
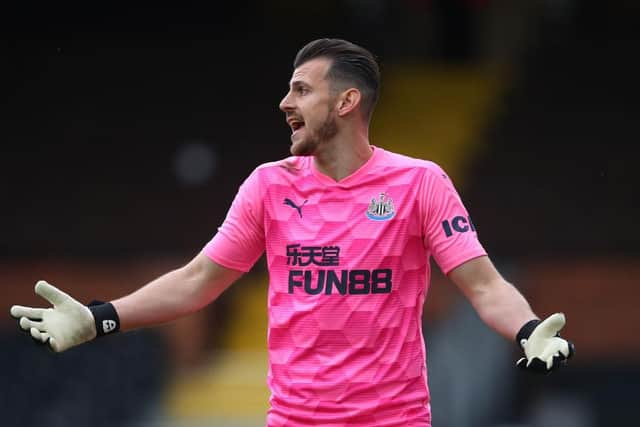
point(526, 330)
point(106, 317)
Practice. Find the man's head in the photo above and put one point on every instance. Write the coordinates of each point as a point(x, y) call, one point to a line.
point(334, 81)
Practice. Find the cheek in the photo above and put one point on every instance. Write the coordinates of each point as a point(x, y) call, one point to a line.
point(316, 114)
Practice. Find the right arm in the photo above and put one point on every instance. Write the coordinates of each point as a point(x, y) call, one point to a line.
point(175, 294)
point(69, 323)
point(238, 244)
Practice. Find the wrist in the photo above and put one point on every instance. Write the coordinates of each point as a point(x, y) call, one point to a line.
point(526, 330)
point(105, 316)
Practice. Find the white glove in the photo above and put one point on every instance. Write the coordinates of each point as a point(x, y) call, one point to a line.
point(544, 349)
point(67, 324)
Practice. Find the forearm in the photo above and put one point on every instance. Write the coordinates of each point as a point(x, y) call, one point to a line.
point(497, 302)
point(502, 307)
point(69, 322)
point(175, 294)
point(157, 302)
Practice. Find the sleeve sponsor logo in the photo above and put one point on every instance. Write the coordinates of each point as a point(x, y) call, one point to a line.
point(457, 224)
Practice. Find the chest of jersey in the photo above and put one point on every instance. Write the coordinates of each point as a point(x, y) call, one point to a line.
point(380, 214)
point(333, 236)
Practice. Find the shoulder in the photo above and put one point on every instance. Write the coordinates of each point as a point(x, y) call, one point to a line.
point(283, 171)
point(292, 164)
point(402, 161)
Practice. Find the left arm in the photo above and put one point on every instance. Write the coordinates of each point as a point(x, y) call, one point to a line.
point(504, 309)
point(450, 234)
point(498, 303)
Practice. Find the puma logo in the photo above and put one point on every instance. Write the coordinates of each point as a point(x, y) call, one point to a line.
point(289, 202)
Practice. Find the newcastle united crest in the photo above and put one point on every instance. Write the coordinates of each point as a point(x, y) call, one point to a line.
point(381, 209)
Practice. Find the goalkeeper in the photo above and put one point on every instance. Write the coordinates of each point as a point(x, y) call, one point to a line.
point(348, 229)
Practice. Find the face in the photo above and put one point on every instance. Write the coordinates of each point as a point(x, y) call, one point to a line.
point(309, 107)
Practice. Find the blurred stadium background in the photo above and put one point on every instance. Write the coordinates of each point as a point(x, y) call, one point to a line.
point(126, 132)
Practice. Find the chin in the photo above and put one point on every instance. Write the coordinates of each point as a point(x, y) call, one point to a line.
point(302, 148)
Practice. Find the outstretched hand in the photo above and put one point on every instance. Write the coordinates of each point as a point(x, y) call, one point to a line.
point(543, 347)
point(68, 323)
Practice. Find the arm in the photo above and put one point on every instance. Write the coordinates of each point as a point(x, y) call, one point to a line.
point(238, 244)
point(69, 323)
point(497, 302)
point(451, 237)
point(506, 311)
point(175, 294)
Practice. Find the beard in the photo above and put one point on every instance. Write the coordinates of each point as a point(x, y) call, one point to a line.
point(309, 145)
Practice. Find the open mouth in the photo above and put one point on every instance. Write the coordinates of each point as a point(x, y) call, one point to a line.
point(296, 125)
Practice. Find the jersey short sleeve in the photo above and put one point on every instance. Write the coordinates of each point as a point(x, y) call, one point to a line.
point(240, 241)
point(448, 230)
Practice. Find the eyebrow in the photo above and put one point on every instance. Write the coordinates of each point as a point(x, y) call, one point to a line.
point(299, 83)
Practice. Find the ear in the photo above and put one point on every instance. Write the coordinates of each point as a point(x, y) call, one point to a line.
point(348, 101)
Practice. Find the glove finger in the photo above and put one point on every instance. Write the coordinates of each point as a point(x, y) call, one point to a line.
point(52, 294)
point(18, 311)
point(47, 341)
point(538, 366)
point(27, 324)
point(26, 331)
point(46, 338)
point(565, 350)
point(565, 354)
point(38, 336)
point(560, 358)
point(53, 345)
point(554, 347)
point(550, 326)
point(558, 361)
point(572, 349)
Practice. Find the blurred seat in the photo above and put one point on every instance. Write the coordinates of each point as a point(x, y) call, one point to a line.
point(111, 382)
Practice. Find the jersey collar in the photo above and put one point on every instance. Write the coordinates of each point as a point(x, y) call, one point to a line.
point(351, 179)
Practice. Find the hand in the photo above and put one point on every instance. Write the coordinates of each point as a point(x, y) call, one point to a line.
point(543, 347)
point(67, 324)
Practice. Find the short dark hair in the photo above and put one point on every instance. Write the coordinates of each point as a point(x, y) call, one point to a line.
point(350, 63)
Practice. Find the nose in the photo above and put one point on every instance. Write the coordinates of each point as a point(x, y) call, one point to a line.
point(286, 104)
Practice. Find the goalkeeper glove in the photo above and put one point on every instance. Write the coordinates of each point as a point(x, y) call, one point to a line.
point(68, 323)
point(543, 347)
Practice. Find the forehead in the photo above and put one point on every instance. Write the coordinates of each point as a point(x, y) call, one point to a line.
point(312, 71)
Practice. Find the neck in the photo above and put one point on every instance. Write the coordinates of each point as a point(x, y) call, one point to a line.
point(343, 155)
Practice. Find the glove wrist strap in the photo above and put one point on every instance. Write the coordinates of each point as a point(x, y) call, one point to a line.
point(105, 316)
point(526, 330)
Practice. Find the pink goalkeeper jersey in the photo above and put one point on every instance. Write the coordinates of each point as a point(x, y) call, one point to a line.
point(349, 273)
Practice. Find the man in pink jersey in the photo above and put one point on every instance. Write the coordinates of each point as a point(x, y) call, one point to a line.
point(348, 229)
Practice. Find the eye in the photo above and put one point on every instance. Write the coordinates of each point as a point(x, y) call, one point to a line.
point(302, 90)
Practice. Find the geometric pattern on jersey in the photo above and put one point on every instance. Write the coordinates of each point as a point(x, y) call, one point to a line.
point(348, 276)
